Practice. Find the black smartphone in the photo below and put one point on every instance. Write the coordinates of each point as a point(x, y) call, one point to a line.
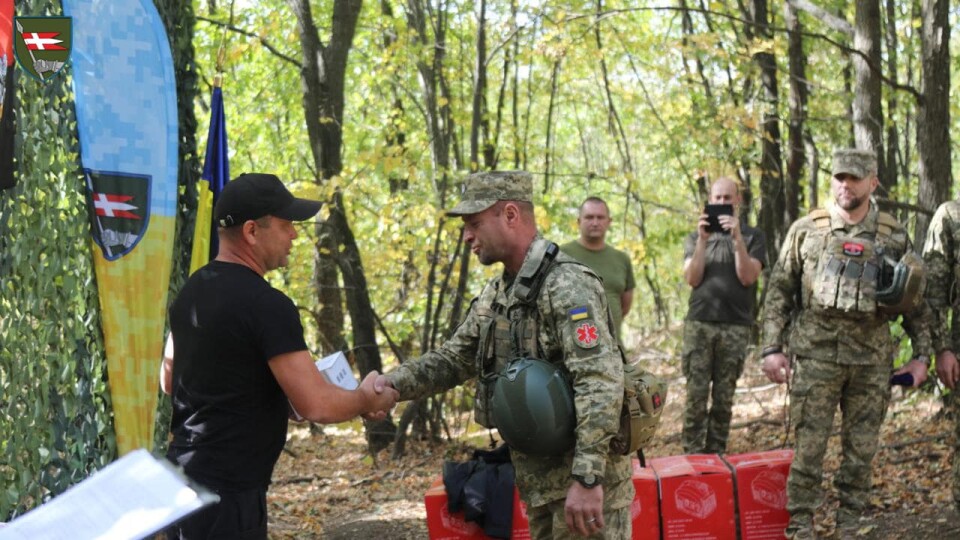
point(903, 379)
point(713, 211)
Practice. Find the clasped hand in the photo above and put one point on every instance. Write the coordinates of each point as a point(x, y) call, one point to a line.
point(380, 397)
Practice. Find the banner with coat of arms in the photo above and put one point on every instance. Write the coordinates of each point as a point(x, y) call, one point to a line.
point(126, 104)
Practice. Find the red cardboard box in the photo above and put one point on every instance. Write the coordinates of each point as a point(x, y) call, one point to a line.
point(761, 486)
point(696, 497)
point(442, 525)
point(645, 510)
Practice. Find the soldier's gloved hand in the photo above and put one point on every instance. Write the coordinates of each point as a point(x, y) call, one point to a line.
point(947, 368)
point(776, 367)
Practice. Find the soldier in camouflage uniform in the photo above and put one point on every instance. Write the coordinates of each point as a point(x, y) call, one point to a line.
point(941, 255)
point(722, 268)
point(587, 491)
point(823, 289)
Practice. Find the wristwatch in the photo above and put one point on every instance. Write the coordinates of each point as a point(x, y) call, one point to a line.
point(588, 481)
point(922, 358)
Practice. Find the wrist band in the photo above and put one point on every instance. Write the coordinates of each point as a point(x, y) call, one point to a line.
point(775, 349)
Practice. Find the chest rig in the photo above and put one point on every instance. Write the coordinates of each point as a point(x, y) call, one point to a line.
point(848, 269)
point(509, 324)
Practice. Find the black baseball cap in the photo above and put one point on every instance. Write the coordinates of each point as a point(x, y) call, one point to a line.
point(254, 195)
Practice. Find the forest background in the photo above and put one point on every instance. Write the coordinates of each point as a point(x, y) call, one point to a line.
point(380, 108)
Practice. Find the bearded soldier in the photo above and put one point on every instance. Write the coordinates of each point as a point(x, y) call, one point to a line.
point(843, 275)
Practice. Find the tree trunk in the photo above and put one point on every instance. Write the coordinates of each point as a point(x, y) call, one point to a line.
point(322, 79)
point(395, 136)
point(441, 130)
point(933, 117)
point(773, 220)
point(867, 105)
point(551, 110)
point(892, 156)
point(796, 156)
point(478, 124)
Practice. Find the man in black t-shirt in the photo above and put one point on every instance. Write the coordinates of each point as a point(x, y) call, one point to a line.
point(242, 361)
point(723, 268)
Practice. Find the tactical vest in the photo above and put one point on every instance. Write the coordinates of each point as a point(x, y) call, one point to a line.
point(511, 330)
point(845, 281)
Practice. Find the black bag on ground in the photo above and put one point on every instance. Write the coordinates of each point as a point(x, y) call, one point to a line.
point(483, 489)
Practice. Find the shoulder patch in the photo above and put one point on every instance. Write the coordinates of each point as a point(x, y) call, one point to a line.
point(586, 334)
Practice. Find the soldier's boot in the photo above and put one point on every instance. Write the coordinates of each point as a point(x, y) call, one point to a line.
point(800, 527)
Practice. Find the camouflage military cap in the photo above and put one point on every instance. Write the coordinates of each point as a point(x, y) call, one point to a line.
point(859, 163)
point(483, 190)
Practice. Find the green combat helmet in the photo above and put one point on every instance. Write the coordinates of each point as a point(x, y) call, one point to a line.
point(900, 284)
point(533, 408)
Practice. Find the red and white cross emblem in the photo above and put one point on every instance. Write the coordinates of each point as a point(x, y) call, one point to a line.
point(43, 41)
point(109, 205)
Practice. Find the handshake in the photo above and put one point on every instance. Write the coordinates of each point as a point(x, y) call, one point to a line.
point(379, 395)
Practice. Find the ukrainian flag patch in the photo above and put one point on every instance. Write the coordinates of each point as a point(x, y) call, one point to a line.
point(579, 313)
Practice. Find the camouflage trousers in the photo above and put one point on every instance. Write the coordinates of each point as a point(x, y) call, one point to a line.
point(713, 356)
point(548, 522)
point(862, 392)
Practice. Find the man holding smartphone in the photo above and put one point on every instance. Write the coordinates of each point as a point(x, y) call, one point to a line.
point(723, 259)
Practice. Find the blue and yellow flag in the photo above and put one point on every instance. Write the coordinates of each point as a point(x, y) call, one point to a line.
point(126, 105)
point(216, 173)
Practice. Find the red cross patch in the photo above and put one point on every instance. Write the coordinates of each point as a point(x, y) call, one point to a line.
point(587, 335)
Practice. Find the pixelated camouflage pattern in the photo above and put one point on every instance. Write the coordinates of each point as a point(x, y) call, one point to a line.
point(837, 293)
point(855, 340)
point(597, 374)
point(818, 387)
point(548, 522)
point(942, 260)
point(713, 357)
point(859, 163)
point(483, 189)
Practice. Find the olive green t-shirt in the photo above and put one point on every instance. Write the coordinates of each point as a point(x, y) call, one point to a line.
point(720, 297)
point(614, 268)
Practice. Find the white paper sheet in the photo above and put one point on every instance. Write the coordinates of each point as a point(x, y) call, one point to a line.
point(132, 497)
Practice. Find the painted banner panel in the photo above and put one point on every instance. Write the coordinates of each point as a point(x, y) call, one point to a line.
point(126, 104)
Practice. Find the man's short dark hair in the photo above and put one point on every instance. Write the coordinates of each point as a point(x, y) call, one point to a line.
point(594, 200)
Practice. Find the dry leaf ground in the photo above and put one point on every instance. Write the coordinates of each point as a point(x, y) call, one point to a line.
point(326, 486)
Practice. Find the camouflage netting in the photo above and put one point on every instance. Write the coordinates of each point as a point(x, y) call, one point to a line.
point(55, 408)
